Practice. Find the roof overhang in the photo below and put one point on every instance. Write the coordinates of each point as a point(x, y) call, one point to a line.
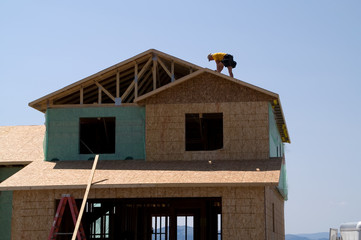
point(137, 173)
point(21, 145)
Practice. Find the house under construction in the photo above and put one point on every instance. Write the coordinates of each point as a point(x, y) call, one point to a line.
point(184, 153)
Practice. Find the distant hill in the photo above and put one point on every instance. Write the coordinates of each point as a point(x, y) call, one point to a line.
point(180, 233)
point(310, 236)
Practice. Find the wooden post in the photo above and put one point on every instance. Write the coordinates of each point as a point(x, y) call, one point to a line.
point(85, 197)
point(172, 72)
point(99, 95)
point(154, 72)
point(104, 90)
point(117, 84)
point(136, 80)
point(81, 95)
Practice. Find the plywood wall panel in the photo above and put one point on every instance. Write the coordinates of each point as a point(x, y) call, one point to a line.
point(245, 131)
point(243, 213)
point(207, 88)
point(274, 217)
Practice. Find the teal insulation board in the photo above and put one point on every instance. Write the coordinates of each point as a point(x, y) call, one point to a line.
point(6, 198)
point(275, 142)
point(277, 150)
point(62, 139)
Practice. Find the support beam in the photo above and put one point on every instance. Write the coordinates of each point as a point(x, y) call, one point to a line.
point(105, 91)
point(165, 68)
point(172, 72)
point(126, 93)
point(136, 80)
point(85, 198)
point(155, 65)
point(145, 67)
point(117, 84)
point(81, 94)
point(144, 82)
point(134, 84)
point(99, 95)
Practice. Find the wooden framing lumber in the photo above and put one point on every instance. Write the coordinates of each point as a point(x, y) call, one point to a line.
point(145, 67)
point(85, 197)
point(172, 71)
point(90, 105)
point(136, 80)
point(40, 103)
point(145, 80)
point(134, 83)
point(126, 93)
point(99, 95)
point(117, 84)
point(155, 64)
point(104, 90)
point(81, 95)
point(165, 68)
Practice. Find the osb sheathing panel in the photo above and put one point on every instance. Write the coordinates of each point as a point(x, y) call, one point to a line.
point(131, 174)
point(245, 131)
point(21, 144)
point(207, 88)
point(275, 224)
point(243, 215)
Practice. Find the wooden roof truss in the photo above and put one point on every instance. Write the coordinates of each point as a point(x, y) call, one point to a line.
point(120, 84)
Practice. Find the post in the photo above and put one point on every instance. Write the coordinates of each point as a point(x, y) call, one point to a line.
point(85, 198)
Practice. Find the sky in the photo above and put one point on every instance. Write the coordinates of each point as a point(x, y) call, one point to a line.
point(307, 51)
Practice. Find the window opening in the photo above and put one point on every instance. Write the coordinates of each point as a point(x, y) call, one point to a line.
point(152, 219)
point(160, 227)
point(185, 227)
point(97, 135)
point(204, 131)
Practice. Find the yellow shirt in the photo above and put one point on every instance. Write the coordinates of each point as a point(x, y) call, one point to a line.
point(218, 56)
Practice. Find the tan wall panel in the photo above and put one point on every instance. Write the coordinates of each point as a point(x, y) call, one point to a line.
point(245, 131)
point(242, 208)
point(207, 88)
point(275, 218)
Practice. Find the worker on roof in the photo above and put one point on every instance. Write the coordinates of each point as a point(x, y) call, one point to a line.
point(223, 60)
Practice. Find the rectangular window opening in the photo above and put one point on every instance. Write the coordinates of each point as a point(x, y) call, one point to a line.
point(97, 135)
point(149, 218)
point(204, 131)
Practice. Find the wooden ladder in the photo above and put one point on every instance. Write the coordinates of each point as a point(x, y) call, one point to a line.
point(66, 198)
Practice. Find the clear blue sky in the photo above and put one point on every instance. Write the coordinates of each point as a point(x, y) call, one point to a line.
point(307, 51)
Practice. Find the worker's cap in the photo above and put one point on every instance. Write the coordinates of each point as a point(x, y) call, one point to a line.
point(209, 57)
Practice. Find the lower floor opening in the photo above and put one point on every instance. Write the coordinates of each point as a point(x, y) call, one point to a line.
point(153, 219)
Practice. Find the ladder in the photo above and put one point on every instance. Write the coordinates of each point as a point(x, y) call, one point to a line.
point(66, 198)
